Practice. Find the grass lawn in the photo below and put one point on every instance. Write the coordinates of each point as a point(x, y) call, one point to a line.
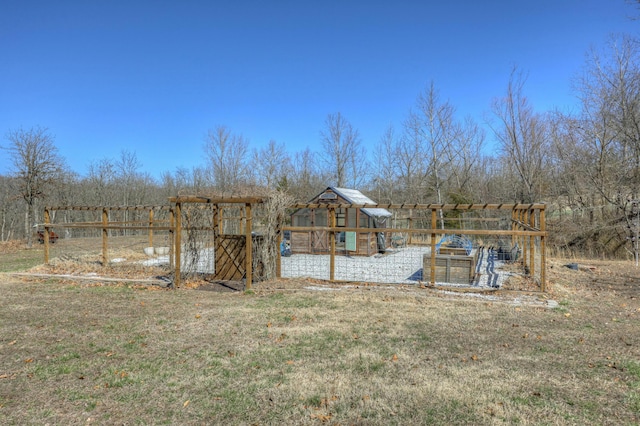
point(295, 352)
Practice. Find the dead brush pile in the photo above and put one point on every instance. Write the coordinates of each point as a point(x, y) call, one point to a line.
point(11, 246)
point(124, 264)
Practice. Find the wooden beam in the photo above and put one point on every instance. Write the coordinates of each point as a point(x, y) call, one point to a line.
point(101, 225)
point(115, 208)
point(416, 231)
point(423, 206)
point(526, 226)
point(216, 200)
point(92, 278)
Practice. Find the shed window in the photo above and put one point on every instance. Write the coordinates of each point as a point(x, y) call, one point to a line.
point(364, 221)
point(341, 217)
point(351, 218)
point(321, 217)
point(302, 218)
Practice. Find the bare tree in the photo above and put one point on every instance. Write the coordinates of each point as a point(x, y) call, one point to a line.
point(411, 162)
point(523, 138)
point(227, 154)
point(36, 165)
point(272, 164)
point(601, 146)
point(101, 183)
point(10, 211)
point(466, 160)
point(611, 103)
point(306, 179)
point(184, 182)
point(386, 167)
point(344, 156)
point(434, 124)
point(126, 169)
point(134, 186)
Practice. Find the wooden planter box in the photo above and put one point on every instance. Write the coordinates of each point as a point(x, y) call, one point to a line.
point(453, 251)
point(451, 268)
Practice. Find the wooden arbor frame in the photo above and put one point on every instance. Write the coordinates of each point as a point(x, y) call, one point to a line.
point(218, 205)
point(527, 224)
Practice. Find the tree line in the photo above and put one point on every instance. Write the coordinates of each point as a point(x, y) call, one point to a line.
point(585, 164)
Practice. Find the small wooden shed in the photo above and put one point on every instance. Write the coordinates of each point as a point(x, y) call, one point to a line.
point(365, 243)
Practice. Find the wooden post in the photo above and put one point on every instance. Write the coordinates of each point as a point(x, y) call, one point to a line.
point(249, 246)
point(47, 220)
point(543, 253)
point(178, 244)
point(151, 228)
point(514, 217)
point(524, 218)
point(332, 239)
point(434, 224)
point(532, 244)
point(216, 220)
point(278, 245)
point(525, 238)
point(216, 236)
point(410, 223)
point(243, 223)
point(172, 241)
point(105, 236)
point(519, 238)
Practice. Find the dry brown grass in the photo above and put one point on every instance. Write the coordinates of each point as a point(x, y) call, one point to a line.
point(303, 352)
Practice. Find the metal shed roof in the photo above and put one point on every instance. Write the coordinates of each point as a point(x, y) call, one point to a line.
point(356, 197)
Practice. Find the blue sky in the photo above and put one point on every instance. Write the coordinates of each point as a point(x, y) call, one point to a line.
point(152, 77)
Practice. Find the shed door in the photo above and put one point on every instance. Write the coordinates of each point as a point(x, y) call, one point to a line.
point(319, 242)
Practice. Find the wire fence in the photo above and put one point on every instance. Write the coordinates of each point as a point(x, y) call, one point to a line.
point(227, 241)
point(505, 247)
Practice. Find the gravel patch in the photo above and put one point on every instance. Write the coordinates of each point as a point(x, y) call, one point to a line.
point(400, 266)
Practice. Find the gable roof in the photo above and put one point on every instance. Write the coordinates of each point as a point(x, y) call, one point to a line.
point(354, 196)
